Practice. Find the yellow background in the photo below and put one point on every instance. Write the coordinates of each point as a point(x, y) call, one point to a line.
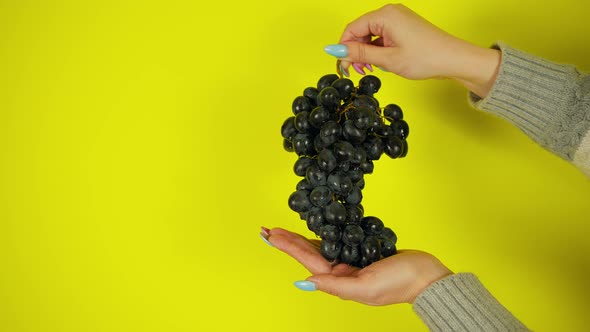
point(140, 152)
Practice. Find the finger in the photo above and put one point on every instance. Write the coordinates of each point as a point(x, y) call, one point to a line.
point(345, 287)
point(287, 233)
point(302, 250)
point(367, 53)
point(363, 28)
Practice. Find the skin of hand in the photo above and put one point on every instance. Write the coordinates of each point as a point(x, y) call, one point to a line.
point(396, 279)
point(400, 41)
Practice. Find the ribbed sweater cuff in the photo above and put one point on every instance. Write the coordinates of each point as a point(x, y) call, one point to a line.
point(461, 303)
point(536, 96)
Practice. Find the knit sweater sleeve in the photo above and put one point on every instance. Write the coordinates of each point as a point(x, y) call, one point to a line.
point(461, 303)
point(549, 102)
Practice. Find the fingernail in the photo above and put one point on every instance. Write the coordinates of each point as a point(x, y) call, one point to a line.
point(358, 68)
point(265, 231)
point(337, 50)
point(381, 68)
point(265, 239)
point(344, 71)
point(305, 285)
point(369, 67)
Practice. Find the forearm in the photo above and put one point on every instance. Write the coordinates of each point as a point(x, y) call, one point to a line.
point(549, 102)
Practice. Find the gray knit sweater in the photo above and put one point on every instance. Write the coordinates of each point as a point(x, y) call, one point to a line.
point(550, 103)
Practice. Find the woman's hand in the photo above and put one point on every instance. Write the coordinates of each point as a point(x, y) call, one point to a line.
point(400, 41)
point(397, 279)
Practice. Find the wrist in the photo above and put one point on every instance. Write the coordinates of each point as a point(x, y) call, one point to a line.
point(476, 68)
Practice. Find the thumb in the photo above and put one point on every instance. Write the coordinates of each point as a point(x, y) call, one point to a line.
point(346, 288)
point(368, 53)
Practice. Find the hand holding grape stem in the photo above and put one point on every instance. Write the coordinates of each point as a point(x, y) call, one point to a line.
point(400, 41)
point(396, 279)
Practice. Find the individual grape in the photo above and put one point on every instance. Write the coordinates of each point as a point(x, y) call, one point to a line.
point(358, 156)
point(299, 201)
point(393, 112)
point(288, 129)
point(362, 118)
point(372, 225)
point(344, 86)
point(369, 85)
point(326, 81)
point(319, 116)
point(302, 122)
point(352, 134)
point(377, 124)
point(383, 130)
point(368, 101)
point(374, 147)
point(302, 164)
point(360, 184)
point(311, 94)
point(327, 161)
point(388, 248)
point(304, 185)
point(330, 132)
point(303, 144)
point(405, 149)
point(335, 213)
point(300, 104)
point(330, 249)
point(343, 151)
point(329, 97)
point(339, 183)
point(354, 214)
point(319, 144)
point(315, 175)
point(343, 166)
point(354, 197)
point(353, 235)
point(350, 255)
point(393, 147)
point(371, 249)
point(330, 232)
point(388, 234)
point(355, 174)
point(367, 166)
point(320, 196)
point(303, 215)
point(315, 219)
point(400, 129)
point(288, 145)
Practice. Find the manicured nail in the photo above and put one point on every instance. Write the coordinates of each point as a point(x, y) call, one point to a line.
point(344, 71)
point(369, 67)
point(265, 239)
point(265, 231)
point(305, 285)
point(358, 68)
point(337, 50)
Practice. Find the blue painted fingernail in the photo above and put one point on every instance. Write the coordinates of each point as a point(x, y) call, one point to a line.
point(337, 50)
point(265, 240)
point(305, 285)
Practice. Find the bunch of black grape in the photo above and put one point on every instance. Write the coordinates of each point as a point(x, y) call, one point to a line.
point(337, 131)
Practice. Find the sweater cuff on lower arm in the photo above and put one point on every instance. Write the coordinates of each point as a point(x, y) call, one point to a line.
point(535, 95)
point(461, 303)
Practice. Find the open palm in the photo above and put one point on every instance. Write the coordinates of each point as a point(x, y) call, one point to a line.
point(395, 279)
